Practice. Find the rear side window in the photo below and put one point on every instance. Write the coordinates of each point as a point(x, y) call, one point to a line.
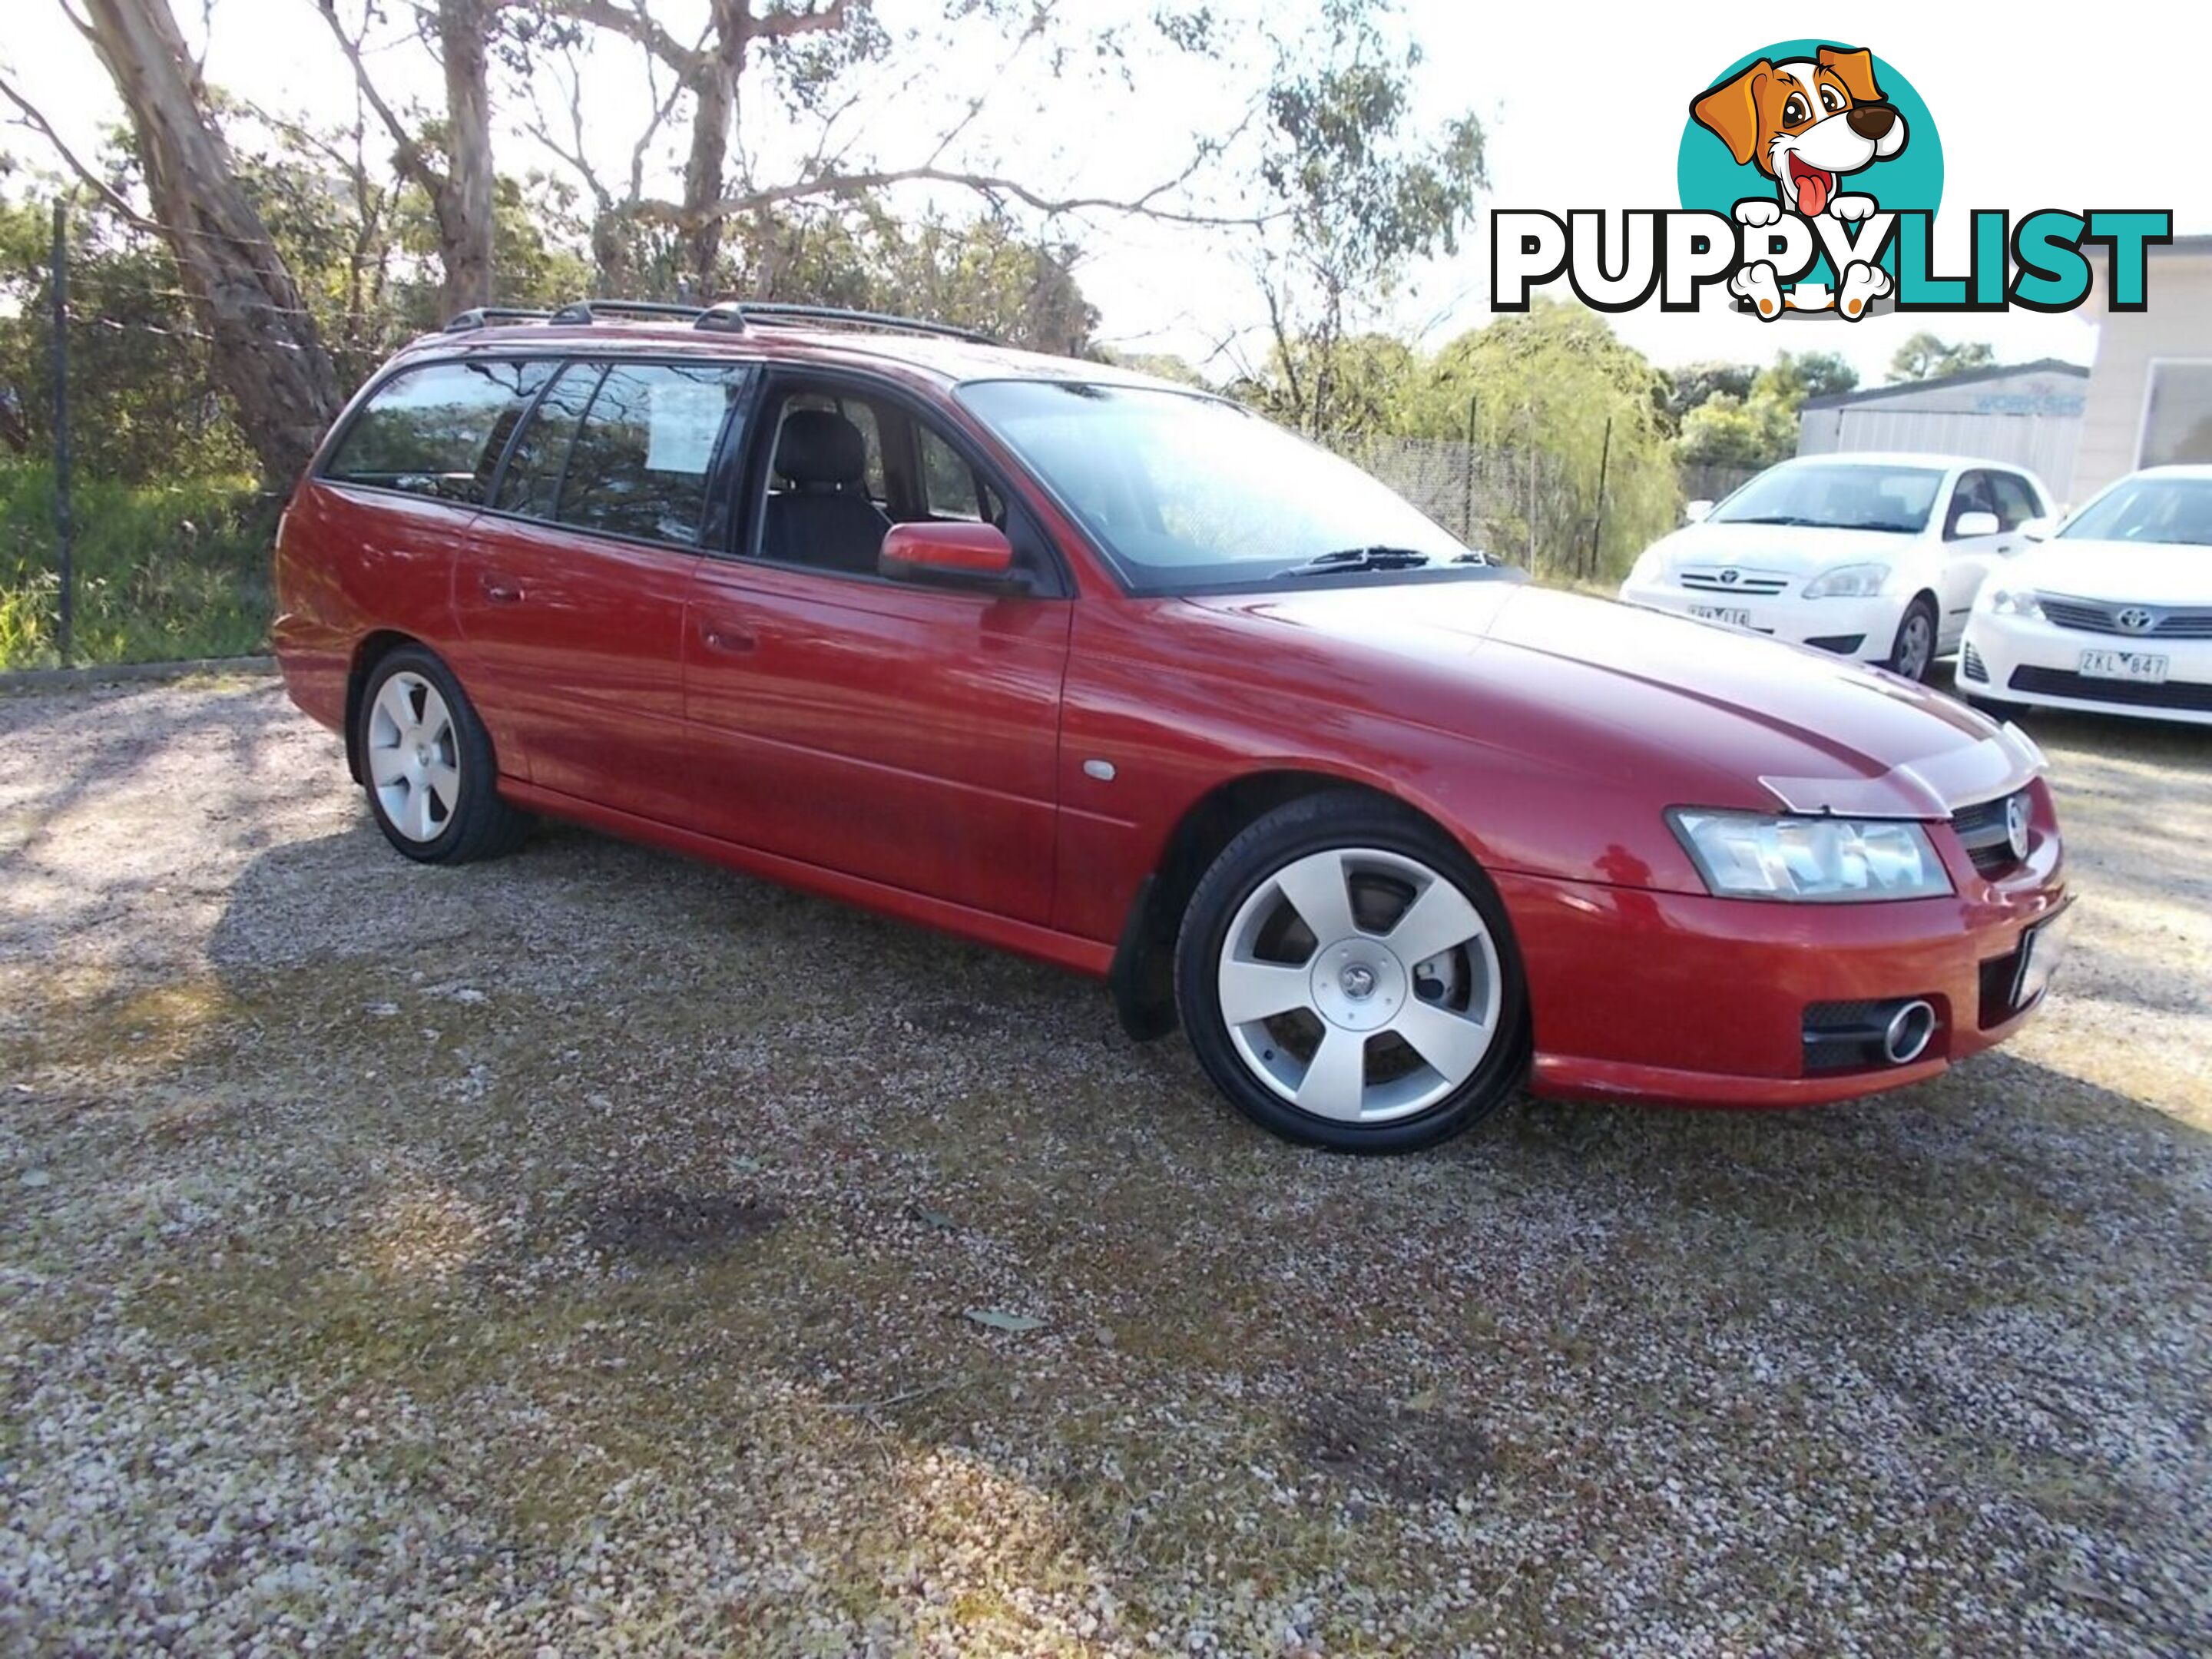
point(638, 465)
point(438, 430)
point(531, 484)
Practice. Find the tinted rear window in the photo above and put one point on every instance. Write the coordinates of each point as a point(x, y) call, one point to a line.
point(438, 430)
point(638, 466)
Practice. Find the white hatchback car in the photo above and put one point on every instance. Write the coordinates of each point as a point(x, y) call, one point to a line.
point(1876, 558)
point(2112, 614)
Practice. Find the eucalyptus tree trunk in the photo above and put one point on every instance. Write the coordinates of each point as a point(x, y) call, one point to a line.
point(266, 350)
point(463, 195)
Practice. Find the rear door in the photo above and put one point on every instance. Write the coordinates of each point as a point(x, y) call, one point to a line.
point(903, 733)
point(571, 592)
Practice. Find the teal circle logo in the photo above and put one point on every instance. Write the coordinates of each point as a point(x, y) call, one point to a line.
point(1797, 113)
point(1709, 176)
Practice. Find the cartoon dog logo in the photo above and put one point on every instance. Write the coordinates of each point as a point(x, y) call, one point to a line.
point(1806, 123)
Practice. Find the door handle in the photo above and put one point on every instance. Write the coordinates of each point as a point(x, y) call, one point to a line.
point(729, 640)
point(501, 590)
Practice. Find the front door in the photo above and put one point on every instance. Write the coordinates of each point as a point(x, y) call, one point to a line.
point(903, 733)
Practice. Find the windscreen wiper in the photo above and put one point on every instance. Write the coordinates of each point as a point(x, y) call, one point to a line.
point(1777, 518)
point(1357, 558)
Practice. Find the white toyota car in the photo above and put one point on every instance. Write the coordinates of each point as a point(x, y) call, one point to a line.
point(1876, 558)
point(2112, 614)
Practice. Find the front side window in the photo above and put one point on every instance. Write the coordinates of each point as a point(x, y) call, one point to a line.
point(1184, 491)
point(638, 465)
point(1972, 495)
point(438, 430)
point(1836, 495)
point(2016, 502)
point(2178, 511)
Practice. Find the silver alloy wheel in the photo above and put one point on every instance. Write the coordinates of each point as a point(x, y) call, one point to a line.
point(1915, 645)
point(414, 757)
point(1359, 985)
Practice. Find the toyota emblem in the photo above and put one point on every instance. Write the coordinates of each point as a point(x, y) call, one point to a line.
point(2016, 825)
point(1728, 577)
point(2137, 620)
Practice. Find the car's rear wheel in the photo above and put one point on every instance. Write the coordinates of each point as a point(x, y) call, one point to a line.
point(1348, 979)
point(427, 763)
point(1913, 652)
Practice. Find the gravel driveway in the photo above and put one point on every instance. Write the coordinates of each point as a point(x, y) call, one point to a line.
point(596, 1252)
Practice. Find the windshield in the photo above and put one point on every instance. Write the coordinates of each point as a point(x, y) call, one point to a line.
point(2178, 510)
point(1187, 492)
point(1836, 496)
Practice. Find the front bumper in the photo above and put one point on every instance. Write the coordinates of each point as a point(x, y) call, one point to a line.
point(1828, 624)
point(2022, 660)
point(1694, 1000)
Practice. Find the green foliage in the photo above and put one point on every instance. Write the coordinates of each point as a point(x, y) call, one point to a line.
point(1554, 381)
point(1690, 387)
point(163, 570)
point(1363, 194)
point(982, 273)
point(1735, 424)
point(1926, 357)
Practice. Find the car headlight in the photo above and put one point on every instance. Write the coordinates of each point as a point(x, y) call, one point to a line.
point(1848, 581)
point(2014, 602)
point(1649, 565)
point(1820, 860)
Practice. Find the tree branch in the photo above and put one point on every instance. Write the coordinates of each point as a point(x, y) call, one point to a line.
point(982, 184)
point(782, 24)
point(107, 192)
point(410, 157)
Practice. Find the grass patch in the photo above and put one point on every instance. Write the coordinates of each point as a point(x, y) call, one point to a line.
point(163, 571)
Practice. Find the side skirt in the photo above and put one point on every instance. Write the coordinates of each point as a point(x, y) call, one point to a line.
point(1083, 955)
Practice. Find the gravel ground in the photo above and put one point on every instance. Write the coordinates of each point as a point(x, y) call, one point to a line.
point(584, 1253)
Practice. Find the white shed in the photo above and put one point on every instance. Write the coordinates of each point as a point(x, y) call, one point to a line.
point(2150, 394)
point(2028, 414)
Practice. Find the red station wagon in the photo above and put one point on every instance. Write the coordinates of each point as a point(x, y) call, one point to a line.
point(1113, 673)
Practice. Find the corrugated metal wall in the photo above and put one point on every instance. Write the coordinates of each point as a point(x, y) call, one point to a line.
point(2032, 420)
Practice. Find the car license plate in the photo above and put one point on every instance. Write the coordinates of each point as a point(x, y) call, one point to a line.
point(1732, 618)
point(2040, 948)
point(2139, 666)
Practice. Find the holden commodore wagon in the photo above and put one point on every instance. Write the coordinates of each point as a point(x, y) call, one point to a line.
point(1113, 673)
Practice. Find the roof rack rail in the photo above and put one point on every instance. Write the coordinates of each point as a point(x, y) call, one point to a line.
point(589, 311)
point(737, 314)
point(485, 316)
point(730, 316)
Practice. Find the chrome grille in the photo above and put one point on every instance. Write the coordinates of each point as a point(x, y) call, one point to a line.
point(2097, 616)
point(1757, 584)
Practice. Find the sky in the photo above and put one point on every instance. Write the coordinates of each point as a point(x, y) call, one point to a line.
point(2040, 106)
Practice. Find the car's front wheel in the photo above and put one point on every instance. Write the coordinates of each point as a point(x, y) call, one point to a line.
point(1347, 978)
point(1912, 653)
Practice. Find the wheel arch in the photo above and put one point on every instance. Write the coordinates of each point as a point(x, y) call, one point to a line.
point(1142, 975)
point(373, 648)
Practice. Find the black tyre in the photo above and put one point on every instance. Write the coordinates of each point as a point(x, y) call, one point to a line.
point(427, 763)
point(1912, 653)
point(1348, 978)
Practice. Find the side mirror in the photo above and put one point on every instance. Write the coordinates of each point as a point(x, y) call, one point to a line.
point(1970, 524)
point(1696, 512)
point(2037, 530)
point(952, 556)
